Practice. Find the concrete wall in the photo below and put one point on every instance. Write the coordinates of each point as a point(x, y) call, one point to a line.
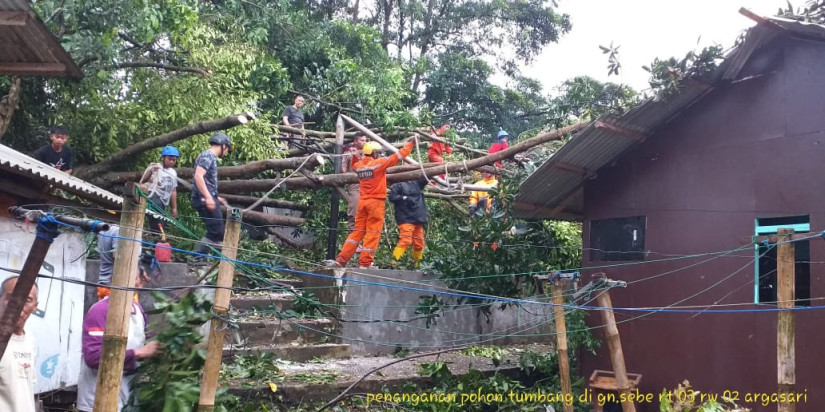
point(366, 307)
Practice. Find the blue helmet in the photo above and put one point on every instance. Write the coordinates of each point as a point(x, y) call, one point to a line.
point(502, 133)
point(170, 151)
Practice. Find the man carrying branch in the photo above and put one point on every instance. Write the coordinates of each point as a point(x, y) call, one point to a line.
point(369, 217)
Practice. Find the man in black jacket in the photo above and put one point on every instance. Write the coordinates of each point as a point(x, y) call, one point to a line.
point(411, 216)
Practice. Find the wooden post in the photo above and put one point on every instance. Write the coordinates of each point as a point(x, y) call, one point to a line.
point(214, 350)
point(785, 296)
point(46, 232)
point(387, 145)
point(110, 372)
point(338, 147)
point(614, 344)
point(561, 341)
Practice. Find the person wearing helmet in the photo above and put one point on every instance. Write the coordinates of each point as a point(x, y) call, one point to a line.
point(501, 143)
point(205, 197)
point(369, 217)
point(161, 180)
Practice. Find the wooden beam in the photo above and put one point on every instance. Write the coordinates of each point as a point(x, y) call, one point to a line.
point(785, 334)
point(763, 21)
point(612, 128)
point(33, 68)
point(13, 18)
point(571, 168)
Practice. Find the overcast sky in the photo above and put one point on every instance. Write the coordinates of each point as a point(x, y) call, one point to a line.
point(644, 29)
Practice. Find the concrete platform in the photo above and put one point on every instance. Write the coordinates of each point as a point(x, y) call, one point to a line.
point(293, 352)
point(269, 331)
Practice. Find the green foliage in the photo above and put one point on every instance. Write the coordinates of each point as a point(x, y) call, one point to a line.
point(257, 367)
point(667, 76)
point(812, 12)
point(493, 352)
point(523, 248)
point(306, 304)
point(170, 381)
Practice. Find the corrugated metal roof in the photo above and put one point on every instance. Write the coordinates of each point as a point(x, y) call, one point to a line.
point(27, 47)
point(555, 189)
point(19, 164)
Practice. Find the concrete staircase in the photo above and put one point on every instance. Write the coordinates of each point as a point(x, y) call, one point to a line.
point(261, 330)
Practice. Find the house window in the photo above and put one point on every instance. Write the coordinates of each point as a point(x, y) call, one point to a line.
point(617, 239)
point(765, 278)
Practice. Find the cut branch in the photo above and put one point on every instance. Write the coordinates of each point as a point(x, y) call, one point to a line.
point(162, 140)
point(280, 203)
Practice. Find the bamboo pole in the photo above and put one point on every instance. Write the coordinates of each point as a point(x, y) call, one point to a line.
point(561, 341)
point(214, 350)
point(614, 344)
point(785, 296)
point(110, 372)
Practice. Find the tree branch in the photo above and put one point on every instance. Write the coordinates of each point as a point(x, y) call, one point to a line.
point(167, 67)
point(206, 126)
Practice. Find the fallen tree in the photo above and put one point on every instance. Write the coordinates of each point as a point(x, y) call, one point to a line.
point(109, 163)
point(258, 185)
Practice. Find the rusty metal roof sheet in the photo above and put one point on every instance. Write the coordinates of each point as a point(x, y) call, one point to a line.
point(19, 164)
point(554, 191)
point(27, 47)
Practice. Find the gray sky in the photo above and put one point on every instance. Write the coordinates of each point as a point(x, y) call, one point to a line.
point(644, 29)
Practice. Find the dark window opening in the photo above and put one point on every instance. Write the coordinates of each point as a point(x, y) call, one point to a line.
point(617, 239)
point(766, 267)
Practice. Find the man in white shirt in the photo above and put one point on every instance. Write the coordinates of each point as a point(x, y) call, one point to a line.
point(17, 371)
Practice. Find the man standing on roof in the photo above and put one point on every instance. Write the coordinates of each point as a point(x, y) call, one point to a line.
point(435, 154)
point(205, 197)
point(411, 217)
point(17, 369)
point(369, 217)
point(353, 155)
point(57, 154)
point(162, 184)
point(501, 143)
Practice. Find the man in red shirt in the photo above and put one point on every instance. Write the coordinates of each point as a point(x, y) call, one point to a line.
point(501, 143)
point(437, 149)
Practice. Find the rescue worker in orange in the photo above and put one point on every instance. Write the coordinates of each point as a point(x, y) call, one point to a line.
point(435, 154)
point(369, 217)
point(480, 201)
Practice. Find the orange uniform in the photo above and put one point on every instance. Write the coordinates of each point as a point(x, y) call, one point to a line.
point(369, 217)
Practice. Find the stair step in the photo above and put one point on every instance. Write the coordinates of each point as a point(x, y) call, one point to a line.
point(269, 331)
point(280, 301)
point(295, 353)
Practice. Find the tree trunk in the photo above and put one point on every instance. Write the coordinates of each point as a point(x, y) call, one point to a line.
point(231, 172)
point(245, 186)
point(280, 203)
point(87, 172)
point(9, 103)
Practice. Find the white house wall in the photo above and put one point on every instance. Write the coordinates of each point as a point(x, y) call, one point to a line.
point(58, 322)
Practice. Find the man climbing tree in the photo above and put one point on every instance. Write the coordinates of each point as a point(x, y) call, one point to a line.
point(369, 218)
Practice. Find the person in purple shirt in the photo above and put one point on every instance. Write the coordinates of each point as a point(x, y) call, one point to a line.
point(137, 349)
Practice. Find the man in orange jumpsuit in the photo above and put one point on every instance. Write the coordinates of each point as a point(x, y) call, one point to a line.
point(369, 218)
